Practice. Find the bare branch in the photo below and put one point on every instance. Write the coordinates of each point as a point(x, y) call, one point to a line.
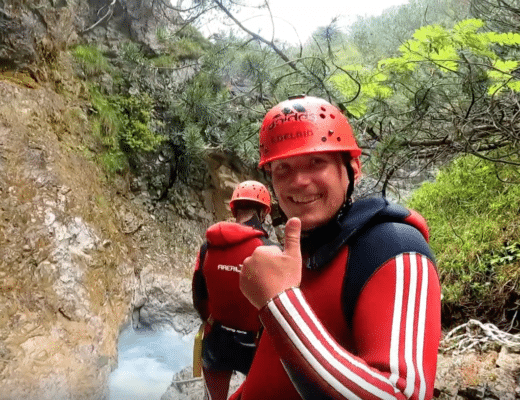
point(271, 43)
point(106, 16)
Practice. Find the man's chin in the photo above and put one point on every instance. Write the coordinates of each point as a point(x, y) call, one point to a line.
point(308, 224)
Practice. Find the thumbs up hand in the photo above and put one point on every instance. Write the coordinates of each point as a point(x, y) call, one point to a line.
point(270, 271)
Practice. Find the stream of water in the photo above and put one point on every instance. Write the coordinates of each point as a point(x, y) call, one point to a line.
point(147, 361)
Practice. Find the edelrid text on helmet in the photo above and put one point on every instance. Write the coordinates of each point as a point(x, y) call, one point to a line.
point(251, 191)
point(304, 125)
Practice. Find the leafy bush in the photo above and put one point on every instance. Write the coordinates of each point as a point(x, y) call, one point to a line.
point(136, 116)
point(473, 213)
point(131, 52)
point(114, 160)
point(122, 124)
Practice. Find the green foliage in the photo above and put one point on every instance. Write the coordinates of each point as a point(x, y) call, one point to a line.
point(379, 37)
point(199, 113)
point(193, 140)
point(114, 160)
point(176, 50)
point(163, 61)
point(242, 136)
point(122, 124)
point(186, 49)
point(136, 116)
point(162, 33)
point(363, 83)
point(131, 52)
point(218, 108)
point(126, 124)
point(107, 121)
point(91, 60)
point(433, 50)
point(185, 44)
point(472, 211)
point(201, 97)
point(504, 256)
point(192, 33)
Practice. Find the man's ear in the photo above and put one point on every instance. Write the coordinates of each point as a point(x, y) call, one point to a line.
point(356, 166)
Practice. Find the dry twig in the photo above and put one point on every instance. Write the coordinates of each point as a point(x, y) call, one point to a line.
point(477, 335)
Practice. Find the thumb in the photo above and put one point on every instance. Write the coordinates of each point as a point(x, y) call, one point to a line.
point(293, 229)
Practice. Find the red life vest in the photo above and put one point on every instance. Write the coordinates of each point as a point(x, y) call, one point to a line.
point(228, 245)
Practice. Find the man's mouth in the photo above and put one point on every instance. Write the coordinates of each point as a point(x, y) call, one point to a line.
point(301, 199)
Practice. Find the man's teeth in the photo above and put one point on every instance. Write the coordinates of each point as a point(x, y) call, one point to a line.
point(305, 199)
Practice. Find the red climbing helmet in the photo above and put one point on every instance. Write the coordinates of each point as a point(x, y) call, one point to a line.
point(304, 125)
point(251, 191)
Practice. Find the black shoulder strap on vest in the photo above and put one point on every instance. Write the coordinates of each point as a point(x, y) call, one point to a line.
point(199, 288)
point(357, 274)
point(203, 250)
point(370, 250)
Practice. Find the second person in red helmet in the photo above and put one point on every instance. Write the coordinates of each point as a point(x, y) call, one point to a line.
point(351, 305)
point(232, 324)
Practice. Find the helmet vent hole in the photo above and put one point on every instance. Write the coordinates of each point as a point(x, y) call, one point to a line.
point(332, 116)
point(338, 139)
point(331, 132)
point(323, 108)
point(323, 116)
point(323, 139)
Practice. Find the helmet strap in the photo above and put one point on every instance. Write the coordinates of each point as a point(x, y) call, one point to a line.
point(351, 178)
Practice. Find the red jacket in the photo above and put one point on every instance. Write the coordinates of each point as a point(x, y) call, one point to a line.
point(365, 321)
point(215, 280)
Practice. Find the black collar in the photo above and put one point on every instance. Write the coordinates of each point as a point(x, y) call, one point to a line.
point(254, 222)
point(323, 243)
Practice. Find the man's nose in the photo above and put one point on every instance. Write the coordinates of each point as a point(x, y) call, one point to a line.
point(301, 178)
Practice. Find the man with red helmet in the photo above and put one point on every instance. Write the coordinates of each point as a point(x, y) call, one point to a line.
point(232, 323)
point(351, 306)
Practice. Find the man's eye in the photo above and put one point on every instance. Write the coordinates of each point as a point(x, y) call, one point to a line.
point(280, 170)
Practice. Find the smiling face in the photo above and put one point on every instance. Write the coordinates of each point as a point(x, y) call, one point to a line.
point(311, 187)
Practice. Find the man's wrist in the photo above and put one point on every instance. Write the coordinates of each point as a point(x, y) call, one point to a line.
point(266, 305)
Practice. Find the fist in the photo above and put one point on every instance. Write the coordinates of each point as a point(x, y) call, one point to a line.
point(270, 271)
